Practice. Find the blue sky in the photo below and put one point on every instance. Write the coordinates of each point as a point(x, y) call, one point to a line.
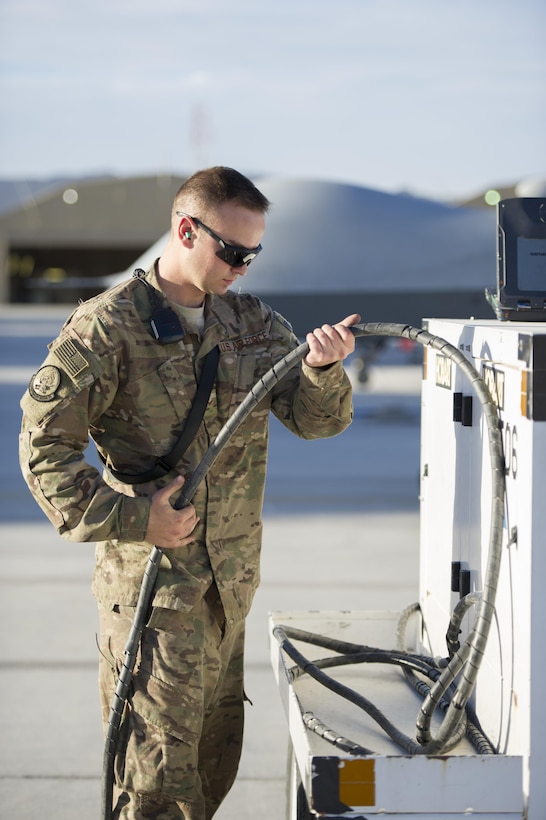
point(433, 97)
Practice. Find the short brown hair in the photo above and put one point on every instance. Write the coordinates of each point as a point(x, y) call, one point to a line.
point(207, 189)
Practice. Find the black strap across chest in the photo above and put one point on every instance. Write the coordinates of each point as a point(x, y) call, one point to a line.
point(164, 464)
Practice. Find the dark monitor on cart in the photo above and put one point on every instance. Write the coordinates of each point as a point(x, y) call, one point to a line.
point(521, 260)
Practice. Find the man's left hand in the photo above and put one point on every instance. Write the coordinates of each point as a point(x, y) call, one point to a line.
point(331, 343)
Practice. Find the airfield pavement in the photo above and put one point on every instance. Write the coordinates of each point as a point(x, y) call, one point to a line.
point(341, 533)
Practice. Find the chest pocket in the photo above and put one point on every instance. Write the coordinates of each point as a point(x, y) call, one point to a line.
point(179, 383)
point(155, 405)
point(250, 365)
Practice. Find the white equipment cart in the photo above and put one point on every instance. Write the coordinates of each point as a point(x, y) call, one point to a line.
point(357, 730)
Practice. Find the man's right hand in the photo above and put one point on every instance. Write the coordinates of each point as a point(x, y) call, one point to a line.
point(169, 528)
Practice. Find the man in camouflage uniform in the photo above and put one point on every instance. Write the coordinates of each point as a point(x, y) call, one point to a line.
point(108, 376)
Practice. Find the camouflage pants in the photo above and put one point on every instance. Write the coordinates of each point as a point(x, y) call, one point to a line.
point(181, 734)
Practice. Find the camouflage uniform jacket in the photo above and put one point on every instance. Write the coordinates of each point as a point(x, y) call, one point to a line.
point(107, 377)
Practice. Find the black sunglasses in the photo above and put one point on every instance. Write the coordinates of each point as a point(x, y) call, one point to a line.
point(233, 255)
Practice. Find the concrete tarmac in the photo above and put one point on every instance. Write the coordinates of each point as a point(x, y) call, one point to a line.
point(341, 533)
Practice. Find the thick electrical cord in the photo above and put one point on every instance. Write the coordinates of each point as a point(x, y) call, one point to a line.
point(330, 736)
point(454, 628)
point(474, 731)
point(467, 661)
point(352, 654)
point(347, 693)
point(464, 662)
point(406, 661)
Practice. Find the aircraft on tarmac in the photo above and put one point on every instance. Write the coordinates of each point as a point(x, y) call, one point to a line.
point(331, 249)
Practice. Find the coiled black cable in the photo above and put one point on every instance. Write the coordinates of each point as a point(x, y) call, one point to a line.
point(464, 662)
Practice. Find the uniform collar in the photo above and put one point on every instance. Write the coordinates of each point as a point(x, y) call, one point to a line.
point(219, 315)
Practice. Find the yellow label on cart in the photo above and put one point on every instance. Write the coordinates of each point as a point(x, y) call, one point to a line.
point(357, 782)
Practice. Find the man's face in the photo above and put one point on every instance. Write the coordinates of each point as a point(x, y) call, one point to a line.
point(237, 226)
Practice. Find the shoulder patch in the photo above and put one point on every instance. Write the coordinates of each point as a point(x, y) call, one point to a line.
point(284, 322)
point(44, 384)
point(70, 357)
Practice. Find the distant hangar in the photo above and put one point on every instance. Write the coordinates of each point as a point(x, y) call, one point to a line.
point(333, 249)
point(329, 249)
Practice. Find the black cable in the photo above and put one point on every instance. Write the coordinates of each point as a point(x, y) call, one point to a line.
point(345, 647)
point(353, 697)
point(311, 722)
point(406, 662)
point(466, 661)
point(379, 656)
point(474, 731)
